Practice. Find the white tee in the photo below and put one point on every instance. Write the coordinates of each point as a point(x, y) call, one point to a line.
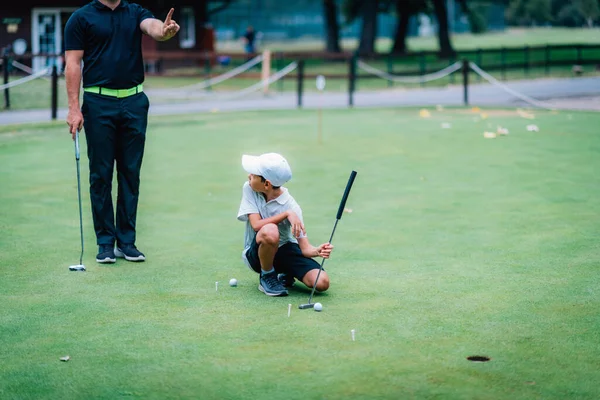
point(254, 203)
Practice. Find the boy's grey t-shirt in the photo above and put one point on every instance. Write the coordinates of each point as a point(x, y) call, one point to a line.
point(254, 203)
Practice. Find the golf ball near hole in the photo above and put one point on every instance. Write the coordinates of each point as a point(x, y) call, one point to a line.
point(233, 282)
point(318, 306)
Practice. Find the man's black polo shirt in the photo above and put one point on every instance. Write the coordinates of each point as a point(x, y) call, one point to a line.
point(111, 41)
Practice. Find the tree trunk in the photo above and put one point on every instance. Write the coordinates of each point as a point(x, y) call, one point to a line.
point(403, 15)
point(332, 28)
point(441, 13)
point(369, 27)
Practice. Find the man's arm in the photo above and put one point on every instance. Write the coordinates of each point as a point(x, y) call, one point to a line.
point(159, 30)
point(73, 79)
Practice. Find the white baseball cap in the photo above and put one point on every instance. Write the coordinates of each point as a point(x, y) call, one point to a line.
point(271, 166)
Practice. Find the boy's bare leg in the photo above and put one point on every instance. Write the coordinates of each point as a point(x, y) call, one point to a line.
point(268, 240)
point(311, 276)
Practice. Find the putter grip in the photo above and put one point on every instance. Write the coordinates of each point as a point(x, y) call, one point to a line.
point(346, 193)
point(77, 145)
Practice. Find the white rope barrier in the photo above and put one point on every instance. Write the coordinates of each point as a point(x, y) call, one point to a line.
point(496, 82)
point(26, 79)
point(22, 67)
point(417, 79)
point(223, 77)
point(29, 70)
point(265, 82)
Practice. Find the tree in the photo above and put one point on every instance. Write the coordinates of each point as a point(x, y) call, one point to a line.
point(366, 10)
point(530, 12)
point(332, 28)
point(404, 10)
point(575, 13)
point(441, 13)
point(589, 9)
point(474, 13)
point(368, 32)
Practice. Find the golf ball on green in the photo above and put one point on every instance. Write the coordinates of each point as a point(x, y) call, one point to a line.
point(318, 306)
point(233, 282)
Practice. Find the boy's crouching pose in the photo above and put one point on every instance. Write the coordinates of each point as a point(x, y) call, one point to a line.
point(276, 245)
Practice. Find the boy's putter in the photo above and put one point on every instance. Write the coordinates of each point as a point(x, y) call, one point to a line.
point(80, 266)
point(310, 304)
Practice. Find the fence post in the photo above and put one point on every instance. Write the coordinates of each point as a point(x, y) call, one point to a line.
point(479, 62)
point(390, 68)
point(279, 62)
point(465, 71)
point(352, 80)
point(547, 60)
point(54, 104)
point(452, 61)
point(266, 70)
point(503, 62)
point(207, 69)
point(300, 81)
point(422, 65)
point(5, 62)
point(526, 50)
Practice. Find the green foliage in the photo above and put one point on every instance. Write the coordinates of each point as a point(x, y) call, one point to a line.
point(477, 21)
point(529, 12)
point(590, 9)
point(571, 13)
point(351, 10)
point(571, 16)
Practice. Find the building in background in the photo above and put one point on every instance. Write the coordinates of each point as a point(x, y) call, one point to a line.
point(37, 26)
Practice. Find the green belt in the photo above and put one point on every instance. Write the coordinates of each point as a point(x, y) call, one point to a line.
point(118, 93)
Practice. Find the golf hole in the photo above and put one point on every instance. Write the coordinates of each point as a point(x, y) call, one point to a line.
point(478, 358)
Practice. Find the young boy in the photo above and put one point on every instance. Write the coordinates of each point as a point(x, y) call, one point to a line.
point(275, 239)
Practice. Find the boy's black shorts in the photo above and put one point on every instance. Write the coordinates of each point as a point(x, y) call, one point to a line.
point(288, 260)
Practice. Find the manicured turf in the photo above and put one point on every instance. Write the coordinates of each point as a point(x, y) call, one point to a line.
point(456, 246)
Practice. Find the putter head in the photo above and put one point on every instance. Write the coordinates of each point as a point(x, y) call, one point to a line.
point(78, 267)
point(305, 306)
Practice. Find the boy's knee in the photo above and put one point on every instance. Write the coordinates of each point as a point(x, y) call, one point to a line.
point(311, 277)
point(269, 234)
point(323, 283)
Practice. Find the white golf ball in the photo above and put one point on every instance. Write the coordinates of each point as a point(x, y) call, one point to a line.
point(318, 306)
point(233, 282)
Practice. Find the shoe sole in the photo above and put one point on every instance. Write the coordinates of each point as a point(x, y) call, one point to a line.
point(106, 260)
point(120, 254)
point(272, 294)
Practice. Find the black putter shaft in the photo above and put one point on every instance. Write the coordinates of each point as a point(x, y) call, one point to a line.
point(80, 266)
point(79, 194)
point(337, 218)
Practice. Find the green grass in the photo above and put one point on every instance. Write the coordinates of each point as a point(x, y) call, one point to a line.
point(456, 246)
point(512, 37)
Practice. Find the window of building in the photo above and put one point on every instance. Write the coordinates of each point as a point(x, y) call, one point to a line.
point(187, 28)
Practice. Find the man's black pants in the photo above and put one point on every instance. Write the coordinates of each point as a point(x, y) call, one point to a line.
point(115, 131)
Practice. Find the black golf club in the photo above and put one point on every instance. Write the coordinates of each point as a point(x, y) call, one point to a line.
point(80, 266)
point(337, 218)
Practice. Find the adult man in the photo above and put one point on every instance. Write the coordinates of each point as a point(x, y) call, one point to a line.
point(106, 35)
